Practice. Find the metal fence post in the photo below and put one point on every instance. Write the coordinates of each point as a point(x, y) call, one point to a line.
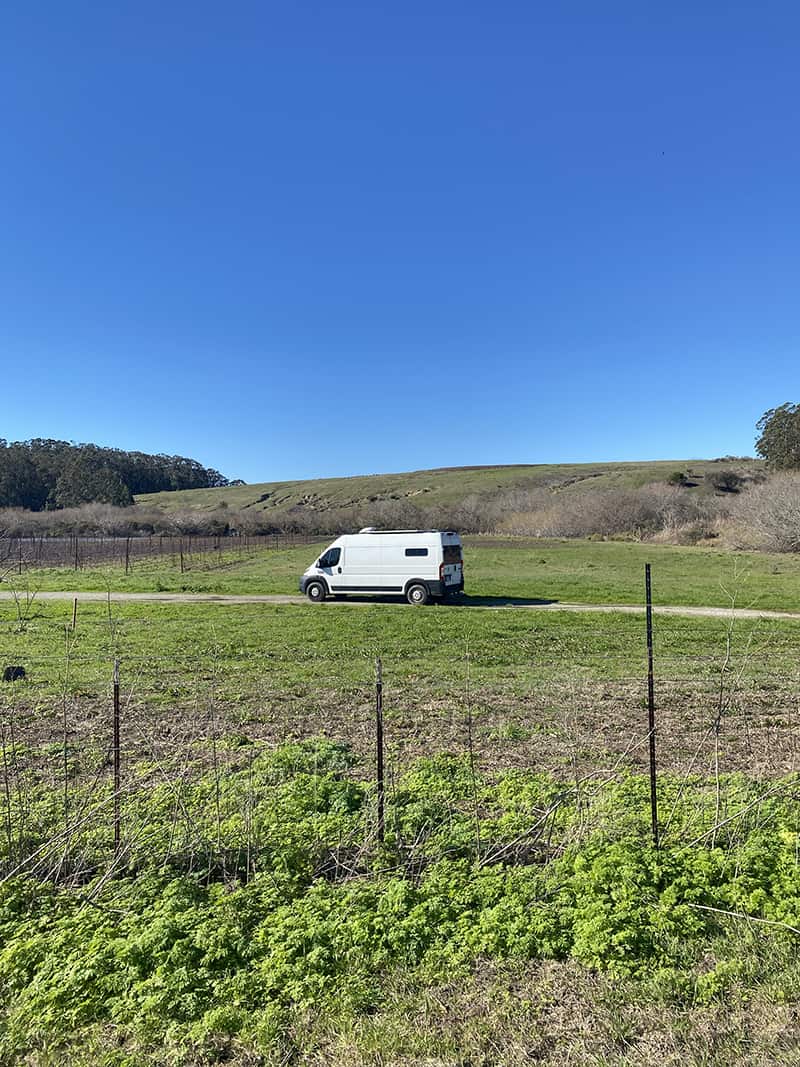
point(379, 745)
point(651, 706)
point(116, 759)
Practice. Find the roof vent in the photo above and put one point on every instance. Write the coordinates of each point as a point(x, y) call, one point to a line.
point(367, 529)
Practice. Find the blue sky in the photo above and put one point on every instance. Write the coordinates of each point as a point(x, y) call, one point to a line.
point(313, 239)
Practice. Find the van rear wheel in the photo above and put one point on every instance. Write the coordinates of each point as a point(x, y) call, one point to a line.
point(417, 593)
point(315, 591)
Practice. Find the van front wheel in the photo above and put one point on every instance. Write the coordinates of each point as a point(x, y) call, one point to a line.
point(417, 594)
point(315, 591)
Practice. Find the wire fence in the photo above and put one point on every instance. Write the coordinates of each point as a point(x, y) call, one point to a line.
point(20, 554)
point(193, 722)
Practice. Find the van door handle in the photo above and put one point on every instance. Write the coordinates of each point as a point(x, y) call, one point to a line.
point(339, 569)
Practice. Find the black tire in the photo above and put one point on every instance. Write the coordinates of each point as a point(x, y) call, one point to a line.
point(316, 592)
point(417, 594)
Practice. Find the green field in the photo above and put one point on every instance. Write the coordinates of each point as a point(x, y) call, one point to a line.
point(515, 912)
point(568, 571)
point(294, 671)
point(444, 486)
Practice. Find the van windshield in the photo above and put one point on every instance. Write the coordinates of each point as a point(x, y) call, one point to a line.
point(451, 553)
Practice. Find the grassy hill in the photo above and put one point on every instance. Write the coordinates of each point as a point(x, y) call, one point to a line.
point(444, 485)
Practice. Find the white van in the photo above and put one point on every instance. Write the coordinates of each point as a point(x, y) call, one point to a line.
point(417, 564)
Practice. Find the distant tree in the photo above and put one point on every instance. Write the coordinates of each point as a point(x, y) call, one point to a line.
point(87, 482)
point(779, 442)
point(22, 484)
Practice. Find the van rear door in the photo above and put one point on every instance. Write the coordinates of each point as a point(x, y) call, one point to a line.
point(452, 566)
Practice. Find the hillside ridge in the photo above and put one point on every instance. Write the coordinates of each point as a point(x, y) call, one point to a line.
point(443, 485)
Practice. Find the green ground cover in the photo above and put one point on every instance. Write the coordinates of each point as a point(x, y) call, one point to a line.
point(270, 926)
point(570, 571)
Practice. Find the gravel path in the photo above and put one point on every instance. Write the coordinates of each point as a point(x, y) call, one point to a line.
point(485, 603)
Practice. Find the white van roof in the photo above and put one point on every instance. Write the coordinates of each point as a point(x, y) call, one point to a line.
point(375, 530)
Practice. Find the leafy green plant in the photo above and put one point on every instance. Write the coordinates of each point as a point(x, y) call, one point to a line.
point(195, 959)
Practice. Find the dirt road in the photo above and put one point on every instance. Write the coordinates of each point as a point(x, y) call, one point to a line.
point(484, 603)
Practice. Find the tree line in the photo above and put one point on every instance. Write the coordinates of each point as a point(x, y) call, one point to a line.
point(43, 474)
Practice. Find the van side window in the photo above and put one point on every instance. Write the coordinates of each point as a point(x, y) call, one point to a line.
point(416, 551)
point(331, 557)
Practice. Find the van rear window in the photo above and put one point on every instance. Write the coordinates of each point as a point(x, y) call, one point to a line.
point(416, 551)
point(451, 553)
